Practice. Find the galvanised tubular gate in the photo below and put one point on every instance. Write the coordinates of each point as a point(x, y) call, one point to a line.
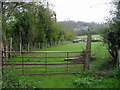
point(43, 62)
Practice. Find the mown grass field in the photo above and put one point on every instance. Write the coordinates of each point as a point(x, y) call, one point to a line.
point(99, 51)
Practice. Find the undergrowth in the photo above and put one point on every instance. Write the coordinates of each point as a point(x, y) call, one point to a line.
point(102, 73)
point(101, 76)
point(12, 81)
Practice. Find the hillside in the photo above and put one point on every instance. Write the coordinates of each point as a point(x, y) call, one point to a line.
point(80, 27)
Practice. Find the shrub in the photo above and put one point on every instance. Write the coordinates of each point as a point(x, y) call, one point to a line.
point(87, 82)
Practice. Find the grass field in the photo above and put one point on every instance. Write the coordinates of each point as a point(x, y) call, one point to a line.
point(99, 51)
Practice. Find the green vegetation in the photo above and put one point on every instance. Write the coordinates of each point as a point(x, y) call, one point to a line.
point(91, 82)
point(98, 76)
point(29, 25)
point(111, 35)
point(79, 27)
point(32, 24)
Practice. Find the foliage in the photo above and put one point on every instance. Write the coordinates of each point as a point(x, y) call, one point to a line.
point(80, 27)
point(33, 23)
point(91, 82)
point(114, 73)
point(84, 32)
point(12, 81)
point(111, 36)
point(86, 82)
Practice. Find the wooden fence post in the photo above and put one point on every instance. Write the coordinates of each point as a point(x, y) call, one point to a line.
point(88, 51)
point(6, 53)
point(39, 45)
point(20, 47)
point(28, 46)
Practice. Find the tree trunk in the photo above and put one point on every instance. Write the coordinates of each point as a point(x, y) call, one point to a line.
point(20, 47)
point(6, 53)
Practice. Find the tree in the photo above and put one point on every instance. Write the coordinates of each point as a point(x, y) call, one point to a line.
point(112, 35)
point(32, 23)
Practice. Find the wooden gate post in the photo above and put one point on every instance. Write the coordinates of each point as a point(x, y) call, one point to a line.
point(88, 51)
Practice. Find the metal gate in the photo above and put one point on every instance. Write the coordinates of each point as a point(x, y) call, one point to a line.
point(42, 62)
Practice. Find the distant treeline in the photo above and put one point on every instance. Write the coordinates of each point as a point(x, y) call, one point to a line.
point(32, 24)
point(81, 28)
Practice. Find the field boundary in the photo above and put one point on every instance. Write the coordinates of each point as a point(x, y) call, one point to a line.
point(25, 63)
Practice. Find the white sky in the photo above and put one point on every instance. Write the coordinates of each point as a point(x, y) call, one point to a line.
point(81, 10)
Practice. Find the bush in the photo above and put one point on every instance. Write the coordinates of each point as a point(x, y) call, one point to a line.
point(87, 82)
point(75, 41)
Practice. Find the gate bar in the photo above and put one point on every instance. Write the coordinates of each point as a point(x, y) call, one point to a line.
point(42, 51)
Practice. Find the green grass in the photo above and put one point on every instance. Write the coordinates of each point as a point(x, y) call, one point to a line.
point(67, 47)
point(66, 81)
point(64, 47)
point(51, 81)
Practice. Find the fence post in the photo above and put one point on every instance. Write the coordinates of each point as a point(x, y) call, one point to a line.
point(28, 46)
point(88, 51)
point(6, 53)
point(22, 65)
point(39, 45)
point(20, 47)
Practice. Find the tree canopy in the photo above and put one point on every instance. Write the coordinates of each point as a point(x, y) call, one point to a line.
point(33, 23)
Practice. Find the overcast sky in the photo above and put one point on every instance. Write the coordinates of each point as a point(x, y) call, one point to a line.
point(81, 10)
